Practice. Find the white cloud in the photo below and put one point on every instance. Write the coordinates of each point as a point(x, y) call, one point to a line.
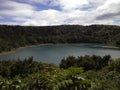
point(72, 4)
point(110, 6)
point(54, 17)
point(13, 8)
point(46, 17)
point(72, 12)
point(109, 10)
point(21, 19)
point(73, 15)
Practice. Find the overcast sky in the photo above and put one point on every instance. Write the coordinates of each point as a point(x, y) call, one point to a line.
point(59, 12)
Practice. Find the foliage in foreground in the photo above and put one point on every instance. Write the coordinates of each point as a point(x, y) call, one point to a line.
point(87, 62)
point(33, 75)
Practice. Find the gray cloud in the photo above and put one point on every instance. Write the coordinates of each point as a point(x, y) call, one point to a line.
point(72, 12)
point(108, 16)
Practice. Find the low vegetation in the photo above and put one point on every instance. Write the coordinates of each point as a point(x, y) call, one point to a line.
point(73, 73)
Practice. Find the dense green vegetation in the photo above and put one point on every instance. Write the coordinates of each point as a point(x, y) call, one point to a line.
point(75, 73)
point(87, 62)
point(32, 75)
point(16, 36)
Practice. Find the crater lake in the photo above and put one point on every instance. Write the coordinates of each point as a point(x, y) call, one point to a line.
point(53, 53)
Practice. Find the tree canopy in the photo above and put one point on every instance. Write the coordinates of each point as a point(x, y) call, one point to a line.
point(12, 37)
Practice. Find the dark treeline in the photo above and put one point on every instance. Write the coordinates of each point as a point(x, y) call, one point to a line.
point(17, 36)
point(87, 62)
point(82, 74)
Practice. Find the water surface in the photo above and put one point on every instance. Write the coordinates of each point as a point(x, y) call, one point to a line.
point(55, 52)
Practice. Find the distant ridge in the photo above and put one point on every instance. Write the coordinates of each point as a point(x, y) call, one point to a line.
point(14, 36)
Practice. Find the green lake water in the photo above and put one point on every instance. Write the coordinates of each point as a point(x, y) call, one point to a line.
point(53, 53)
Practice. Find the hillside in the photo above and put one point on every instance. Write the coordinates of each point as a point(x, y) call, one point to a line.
point(17, 36)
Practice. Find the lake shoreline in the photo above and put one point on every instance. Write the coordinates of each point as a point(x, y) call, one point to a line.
point(16, 49)
point(54, 53)
point(13, 50)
